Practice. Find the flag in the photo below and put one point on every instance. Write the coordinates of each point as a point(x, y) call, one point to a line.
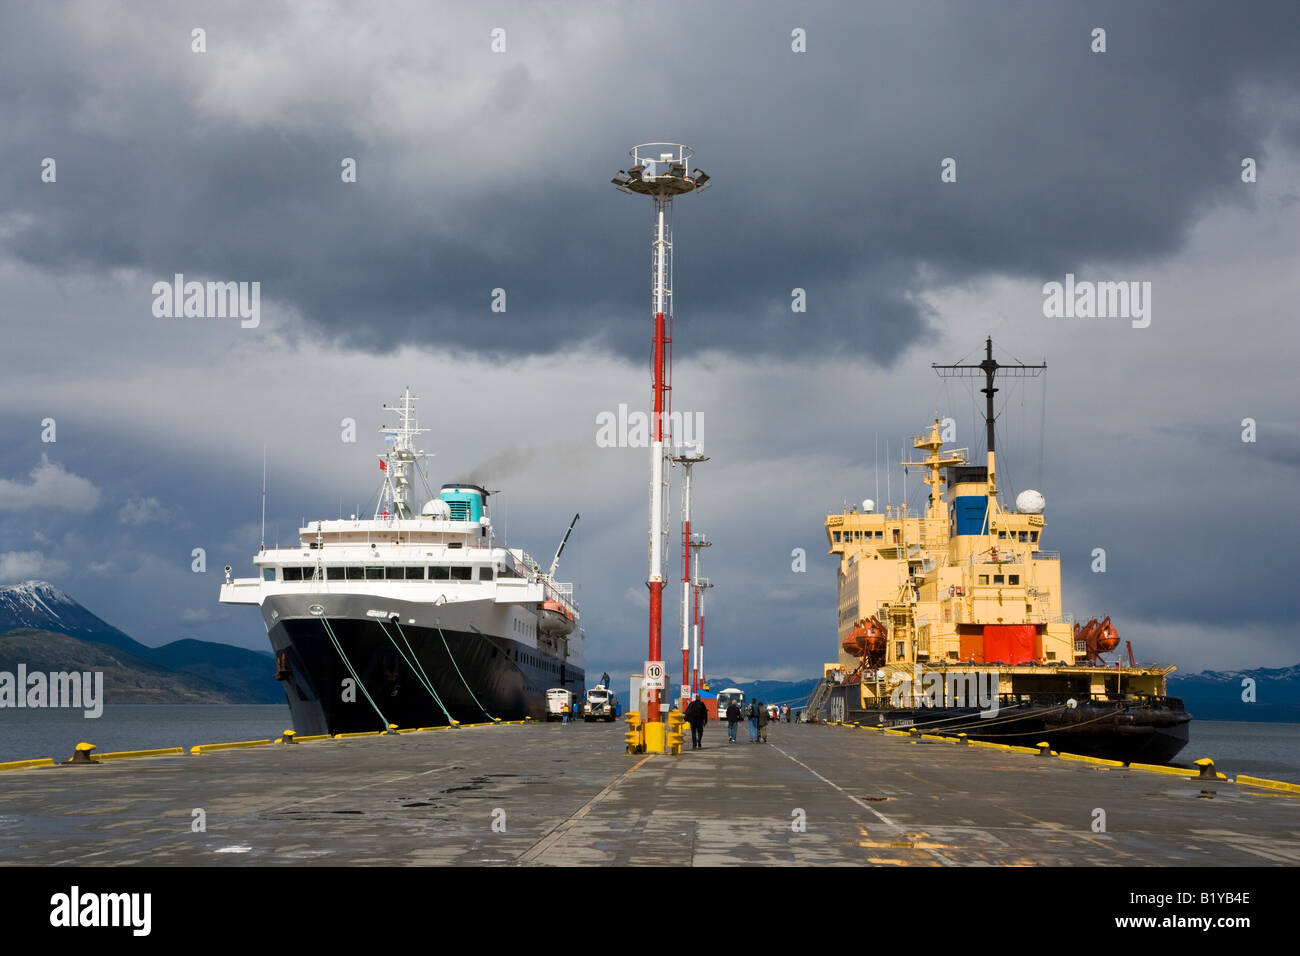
point(383, 465)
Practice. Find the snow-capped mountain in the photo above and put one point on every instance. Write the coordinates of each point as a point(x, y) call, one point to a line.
point(246, 676)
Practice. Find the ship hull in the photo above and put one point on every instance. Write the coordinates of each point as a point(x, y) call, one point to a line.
point(476, 676)
point(1132, 732)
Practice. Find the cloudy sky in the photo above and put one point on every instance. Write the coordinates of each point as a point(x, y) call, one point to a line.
point(482, 169)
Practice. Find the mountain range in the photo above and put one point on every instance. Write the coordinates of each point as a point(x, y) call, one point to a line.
point(44, 628)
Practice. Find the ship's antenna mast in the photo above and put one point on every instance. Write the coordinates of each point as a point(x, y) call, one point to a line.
point(660, 171)
point(398, 464)
point(989, 368)
point(263, 546)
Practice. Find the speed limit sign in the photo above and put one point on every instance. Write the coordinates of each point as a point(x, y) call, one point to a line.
point(654, 675)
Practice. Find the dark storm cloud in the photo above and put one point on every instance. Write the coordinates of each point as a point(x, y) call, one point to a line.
point(826, 163)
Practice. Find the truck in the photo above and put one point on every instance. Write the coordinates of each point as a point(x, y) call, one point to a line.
point(601, 704)
point(559, 703)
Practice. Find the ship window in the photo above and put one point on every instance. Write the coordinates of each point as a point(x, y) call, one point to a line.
point(1002, 534)
point(999, 579)
point(984, 579)
point(455, 544)
point(1024, 536)
point(439, 573)
point(374, 574)
point(293, 574)
point(461, 574)
point(334, 574)
point(356, 574)
point(1013, 579)
point(485, 573)
point(898, 650)
point(880, 534)
point(1033, 536)
point(395, 574)
point(415, 574)
point(1051, 655)
point(268, 574)
point(837, 536)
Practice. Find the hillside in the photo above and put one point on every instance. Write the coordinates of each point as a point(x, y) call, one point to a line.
point(237, 675)
point(127, 679)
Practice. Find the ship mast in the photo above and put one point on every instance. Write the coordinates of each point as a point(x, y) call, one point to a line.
point(398, 463)
point(989, 368)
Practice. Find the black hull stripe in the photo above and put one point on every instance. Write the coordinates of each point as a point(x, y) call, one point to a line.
point(509, 679)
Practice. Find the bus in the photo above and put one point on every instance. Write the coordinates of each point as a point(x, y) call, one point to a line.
point(732, 695)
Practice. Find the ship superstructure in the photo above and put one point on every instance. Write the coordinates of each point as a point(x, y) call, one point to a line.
point(932, 601)
point(413, 618)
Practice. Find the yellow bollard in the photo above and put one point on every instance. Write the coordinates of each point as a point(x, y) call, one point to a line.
point(634, 737)
point(675, 723)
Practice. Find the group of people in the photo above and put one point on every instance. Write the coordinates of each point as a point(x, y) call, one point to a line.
point(697, 715)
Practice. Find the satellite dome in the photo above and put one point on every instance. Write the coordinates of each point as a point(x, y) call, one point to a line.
point(867, 505)
point(1030, 502)
point(436, 508)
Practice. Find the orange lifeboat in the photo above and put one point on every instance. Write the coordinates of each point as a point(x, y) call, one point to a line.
point(1098, 637)
point(867, 641)
point(555, 618)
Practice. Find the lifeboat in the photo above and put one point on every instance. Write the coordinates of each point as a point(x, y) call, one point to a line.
point(1099, 637)
point(867, 641)
point(555, 619)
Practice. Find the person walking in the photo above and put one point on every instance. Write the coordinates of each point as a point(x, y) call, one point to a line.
point(697, 715)
point(763, 718)
point(733, 718)
point(753, 721)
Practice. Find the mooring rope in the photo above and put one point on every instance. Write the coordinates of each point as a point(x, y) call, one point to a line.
point(462, 676)
point(413, 663)
point(348, 664)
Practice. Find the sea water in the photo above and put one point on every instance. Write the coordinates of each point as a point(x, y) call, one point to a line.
point(55, 733)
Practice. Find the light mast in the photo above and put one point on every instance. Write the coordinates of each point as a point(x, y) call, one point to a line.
point(687, 456)
point(659, 170)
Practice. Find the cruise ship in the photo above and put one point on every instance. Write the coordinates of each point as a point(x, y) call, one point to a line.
point(413, 618)
point(951, 620)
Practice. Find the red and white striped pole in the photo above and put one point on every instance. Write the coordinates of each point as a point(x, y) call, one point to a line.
point(661, 171)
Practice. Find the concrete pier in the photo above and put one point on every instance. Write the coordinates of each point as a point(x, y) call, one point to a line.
point(545, 794)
